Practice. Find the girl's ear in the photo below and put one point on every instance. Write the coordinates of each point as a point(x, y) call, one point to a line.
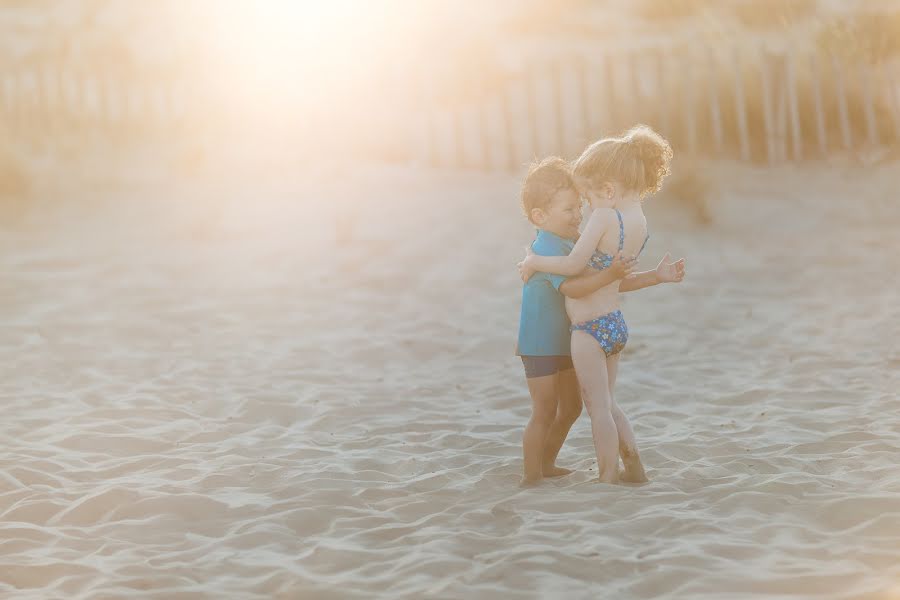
point(608, 189)
point(538, 216)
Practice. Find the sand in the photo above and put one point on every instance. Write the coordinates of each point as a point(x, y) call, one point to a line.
point(202, 395)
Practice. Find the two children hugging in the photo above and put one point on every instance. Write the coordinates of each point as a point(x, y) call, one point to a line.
point(571, 331)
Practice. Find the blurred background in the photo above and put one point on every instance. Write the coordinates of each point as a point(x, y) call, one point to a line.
point(259, 304)
point(483, 86)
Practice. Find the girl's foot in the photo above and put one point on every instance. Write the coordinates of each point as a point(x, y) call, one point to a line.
point(634, 472)
point(611, 478)
point(554, 471)
point(627, 477)
point(529, 482)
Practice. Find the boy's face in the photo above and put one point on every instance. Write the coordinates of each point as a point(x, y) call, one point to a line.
point(563, 215)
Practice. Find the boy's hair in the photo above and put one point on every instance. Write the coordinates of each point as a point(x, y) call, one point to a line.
point(543, 180)
point(638, 159)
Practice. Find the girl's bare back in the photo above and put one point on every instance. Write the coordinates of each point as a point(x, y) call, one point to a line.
point(633, 235)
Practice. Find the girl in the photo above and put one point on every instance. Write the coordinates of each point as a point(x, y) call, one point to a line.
point(618, 173)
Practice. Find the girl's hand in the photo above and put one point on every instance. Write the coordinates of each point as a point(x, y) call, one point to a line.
point(525, 268)
point(622, 266)
point(668, 272)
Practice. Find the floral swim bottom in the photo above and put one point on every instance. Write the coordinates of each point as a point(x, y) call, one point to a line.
point(609, 330)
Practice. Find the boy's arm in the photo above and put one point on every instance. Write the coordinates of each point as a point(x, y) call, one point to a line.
point(578, 258)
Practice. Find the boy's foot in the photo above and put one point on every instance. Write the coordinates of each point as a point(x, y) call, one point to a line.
point(529, 482)
point(554, 471)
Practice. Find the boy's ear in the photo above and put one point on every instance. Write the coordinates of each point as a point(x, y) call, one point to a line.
point(538, 216)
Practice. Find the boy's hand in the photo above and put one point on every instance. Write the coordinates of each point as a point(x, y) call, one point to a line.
point(622, 266)
point(668, 272)
point(525, 268)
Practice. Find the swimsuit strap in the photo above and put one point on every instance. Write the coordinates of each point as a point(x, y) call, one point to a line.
point(621, 230)
point(646, 239)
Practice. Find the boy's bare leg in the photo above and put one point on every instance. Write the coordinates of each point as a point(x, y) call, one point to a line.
point(631, 459)
point(567, 412)
point(543, 392)
point(590, 365)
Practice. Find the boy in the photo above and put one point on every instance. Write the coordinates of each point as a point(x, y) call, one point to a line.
point(551, 201)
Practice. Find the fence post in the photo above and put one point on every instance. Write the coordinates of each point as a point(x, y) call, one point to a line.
point(768, 116)
point(842, 102)
point(81, 93)
point(584, 96)
point(740, 104)
point(715, 111)
point(636, 101)
point(431, 139)
point(893, 102)
point(662, 87)
point(458, 137)
point(817, 98)
point(556, 85)
point(42, 106)
point(103, 99)
point(506, 109)
point(4, 97)
point(780, 98)
point(32, 104)
point(11, 106)
point(690, 99)
point(869, 105)
point(484, 131)
point(19, 111)
point(610, 92)
point(530, 89)
point(791, 74)
point(426, 102)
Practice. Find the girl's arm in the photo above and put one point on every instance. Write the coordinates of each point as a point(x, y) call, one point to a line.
point(665, 272)
point(583, 285)
point(639, 281)
point(578, 258)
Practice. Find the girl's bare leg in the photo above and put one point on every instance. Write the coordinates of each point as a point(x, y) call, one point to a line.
point(631, 459)
point(590, 365)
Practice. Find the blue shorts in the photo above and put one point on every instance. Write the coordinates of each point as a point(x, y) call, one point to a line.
point(541, 366)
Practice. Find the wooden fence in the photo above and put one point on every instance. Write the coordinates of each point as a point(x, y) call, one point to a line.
point(762, 106)
point(41, 101)
point(759, 106)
